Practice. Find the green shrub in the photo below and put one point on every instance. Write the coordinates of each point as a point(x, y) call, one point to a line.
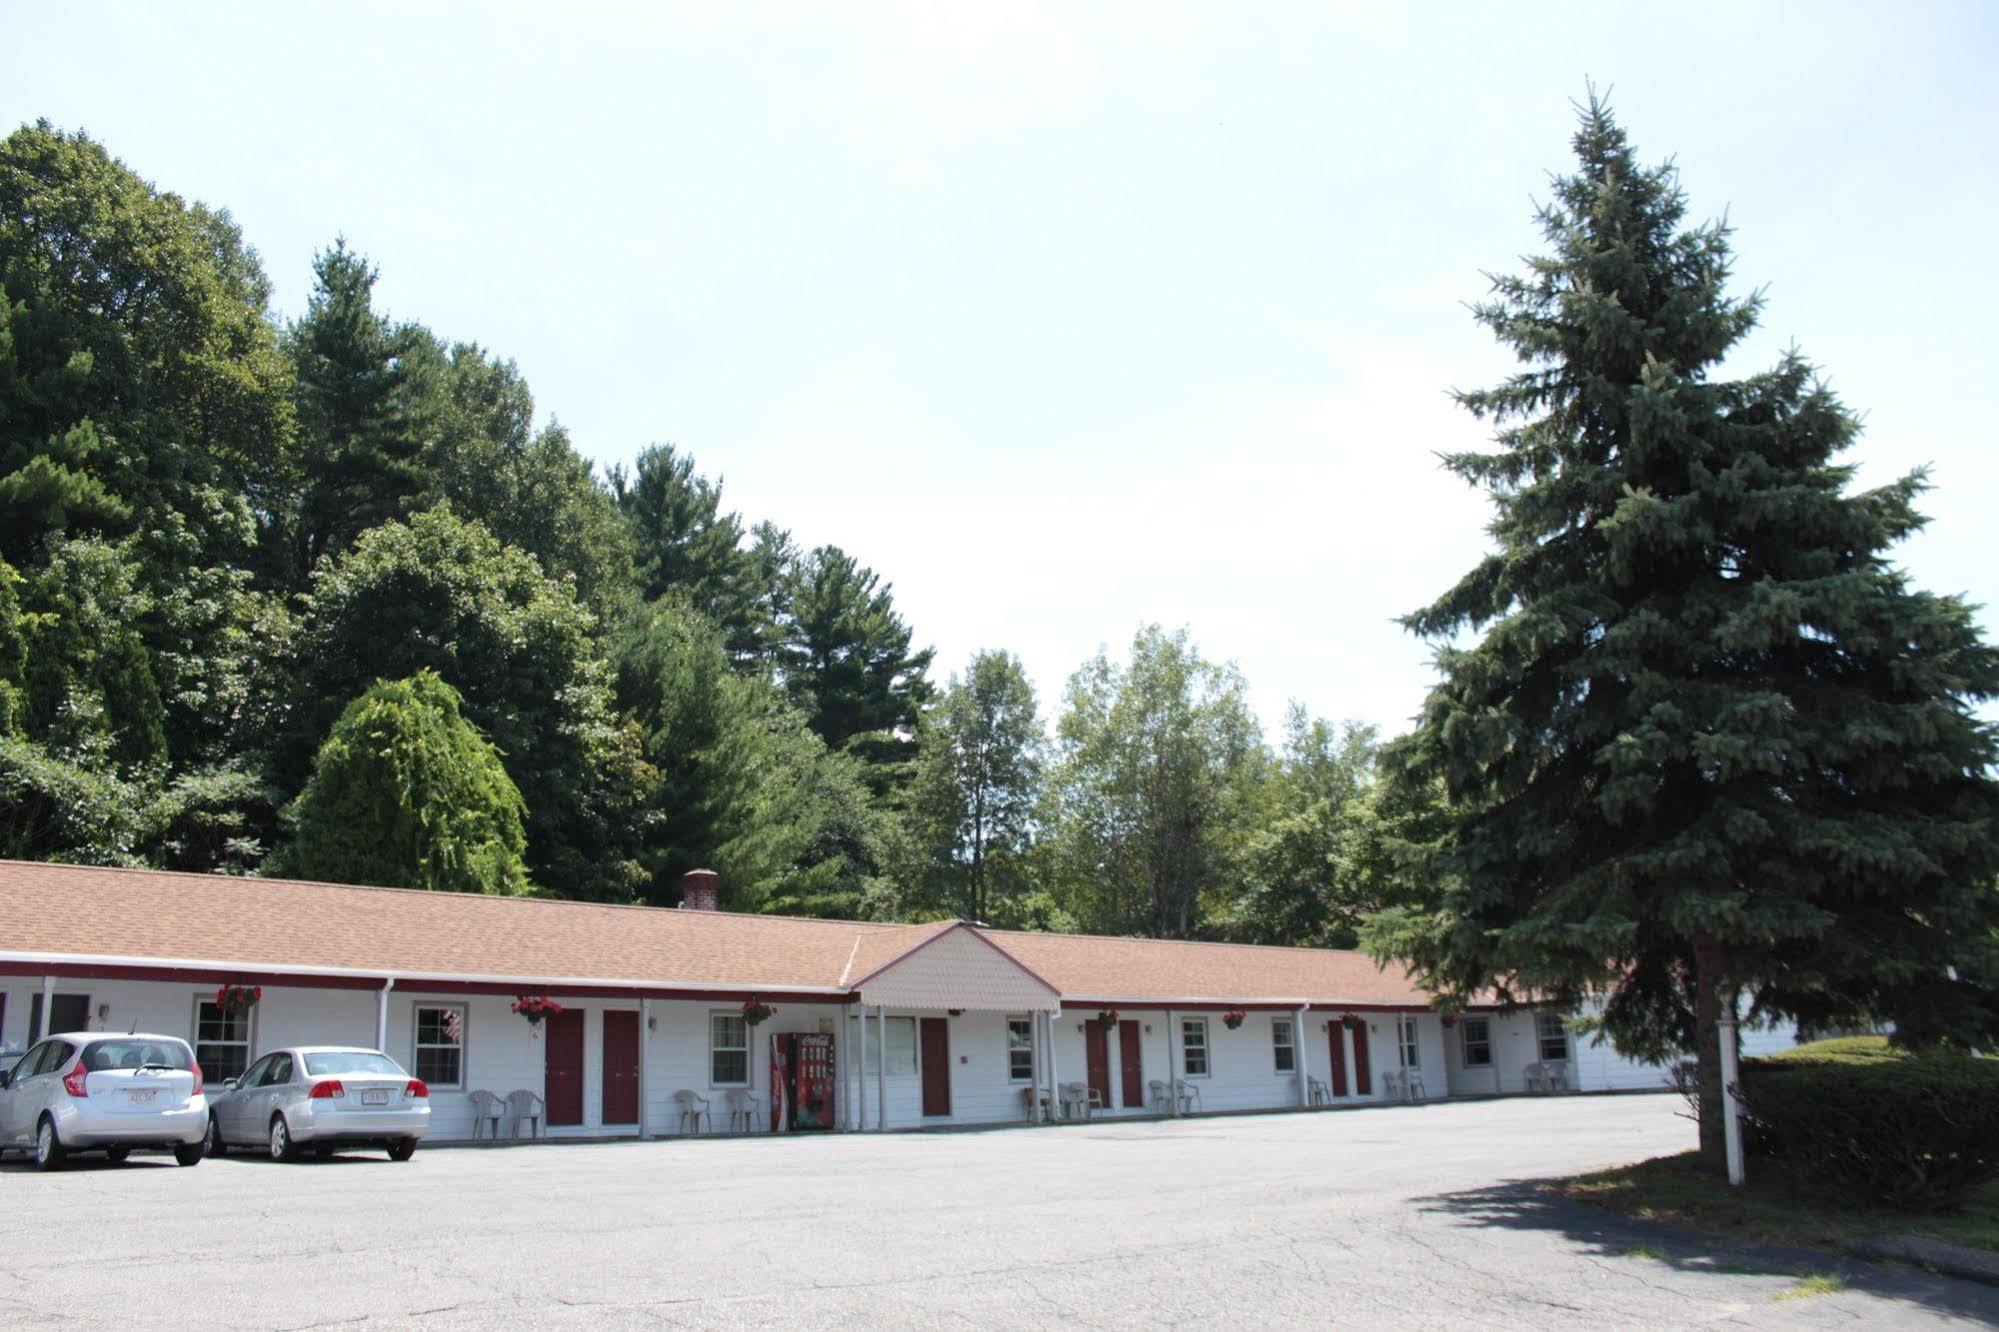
point(1841, 1050)
point(1900, 1130)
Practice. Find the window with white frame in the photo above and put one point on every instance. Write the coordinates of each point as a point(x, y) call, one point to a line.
point(1283, 1048)
point(1475, 1041)
point(1553, 1033)
point(1405, 1035)
point(221, 1040)
point(728, 1050)
point(901, 1040)
point(440, 1045)
point(1020, 1048)
point(1194, 1047)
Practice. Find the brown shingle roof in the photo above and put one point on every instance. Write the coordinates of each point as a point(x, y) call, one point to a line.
point(288, 924)
point(1093, 966)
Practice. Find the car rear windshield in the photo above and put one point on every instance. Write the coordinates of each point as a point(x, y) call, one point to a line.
point(136, 1052)
point(335, 1062)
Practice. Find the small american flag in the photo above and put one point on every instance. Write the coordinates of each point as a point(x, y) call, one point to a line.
point(454, 1026)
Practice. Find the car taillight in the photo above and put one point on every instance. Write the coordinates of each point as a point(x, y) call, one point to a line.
point(73, 1081)
point(199, 1083)
point(329, 1090)
point(416, 1090)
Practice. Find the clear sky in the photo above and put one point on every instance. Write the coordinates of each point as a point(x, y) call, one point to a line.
point(1074, 317)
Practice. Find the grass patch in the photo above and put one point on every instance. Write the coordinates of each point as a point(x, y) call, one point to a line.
point(1646, 1251)
point(1775, 1206)
point(1821, 1283)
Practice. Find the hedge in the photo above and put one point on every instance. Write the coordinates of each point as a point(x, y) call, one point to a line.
point(1905, 1130)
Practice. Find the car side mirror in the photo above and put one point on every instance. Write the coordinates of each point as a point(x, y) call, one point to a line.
point(228, 1084)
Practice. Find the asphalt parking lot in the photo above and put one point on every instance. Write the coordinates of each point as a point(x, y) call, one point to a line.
point(1392, 1217)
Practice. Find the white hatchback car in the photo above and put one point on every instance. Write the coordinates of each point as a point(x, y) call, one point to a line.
point(92, 1091)
point(324, 1097)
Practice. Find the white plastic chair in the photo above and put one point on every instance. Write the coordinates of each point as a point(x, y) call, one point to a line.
point(1190, 1096)
point(1315, 1092)
point(1079, 1100)
point(1537, 1077)
point(746, 1112)
point(486, 1109)
point(1391, 1083)
point(693, 1109)
point(1162, 1098)
point(1412, 1085)
point(526, 1105)
point(1558, 1075)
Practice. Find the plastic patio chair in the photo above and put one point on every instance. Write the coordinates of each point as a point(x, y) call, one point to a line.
point(1412, 1084)
point(1558, 1075)
point(1160, 1098)
point(1316, 1093)
point(1190, 1097)
point(693, 1109)
point(486, 1109)
point(1077, 1097)
point(526, 1105)
point(746, 1111)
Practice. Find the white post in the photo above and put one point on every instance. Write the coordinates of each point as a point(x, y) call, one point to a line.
point(645, 1039)
point(861, 1071)
point(1172, 1070)
point(1304, 1063)
point(48, 1008)
point(1054, 1071)
point(881, 1070)
point(1731, 1126)
point(382, 1014)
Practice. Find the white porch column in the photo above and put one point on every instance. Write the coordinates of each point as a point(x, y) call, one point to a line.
point(1054, 1070)
point(382, 1014)
point(48, 1007)
point(881, 1069)
point(1298, 1044)
point(645, 1039)
point(861, 1070)
point(1172, 1069)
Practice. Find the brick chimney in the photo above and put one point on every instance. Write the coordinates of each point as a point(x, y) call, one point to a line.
point(700, 890)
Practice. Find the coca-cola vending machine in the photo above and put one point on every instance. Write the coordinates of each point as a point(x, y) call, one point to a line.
point(801, 1079)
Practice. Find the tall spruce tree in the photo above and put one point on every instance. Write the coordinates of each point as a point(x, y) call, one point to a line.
point(1711, 742)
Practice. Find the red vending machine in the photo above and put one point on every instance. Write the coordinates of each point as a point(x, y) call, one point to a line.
point(801, 1078)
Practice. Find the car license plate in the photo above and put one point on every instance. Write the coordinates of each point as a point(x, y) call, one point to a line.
point(146, 1095)
point(374, 1098)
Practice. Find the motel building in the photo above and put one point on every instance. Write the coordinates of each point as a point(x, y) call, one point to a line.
point(870, 1026)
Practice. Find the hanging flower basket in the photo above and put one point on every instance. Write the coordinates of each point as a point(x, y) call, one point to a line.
point(238, 998)
point(535, 1007)
point(756, 1010)
point(1351, 1021)
point(1449, 1020)
point(1234, 1018)
point(1107, 1019)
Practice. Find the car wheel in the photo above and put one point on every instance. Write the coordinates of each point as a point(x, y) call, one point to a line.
point(215, 1144)
point(117, 1153)
point(49, 1153)
point(402, 1149)
point(281, 1139)
point(189, 1153)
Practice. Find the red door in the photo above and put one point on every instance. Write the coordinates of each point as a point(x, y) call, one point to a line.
point(1339, 1064)
point(621, 1068)
point(1133, 1064)
point(936, 1036)
point(562, 1066)
point(1361, 1084)
point(1097, 1048)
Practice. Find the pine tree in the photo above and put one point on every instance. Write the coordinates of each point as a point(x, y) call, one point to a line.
point(685, 545)
point(359, 408)
point(1711, 743)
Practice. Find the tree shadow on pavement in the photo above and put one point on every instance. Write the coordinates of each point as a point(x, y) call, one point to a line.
point(1530, 1205)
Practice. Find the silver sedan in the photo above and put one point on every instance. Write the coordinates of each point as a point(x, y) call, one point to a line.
point(324, 1097)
